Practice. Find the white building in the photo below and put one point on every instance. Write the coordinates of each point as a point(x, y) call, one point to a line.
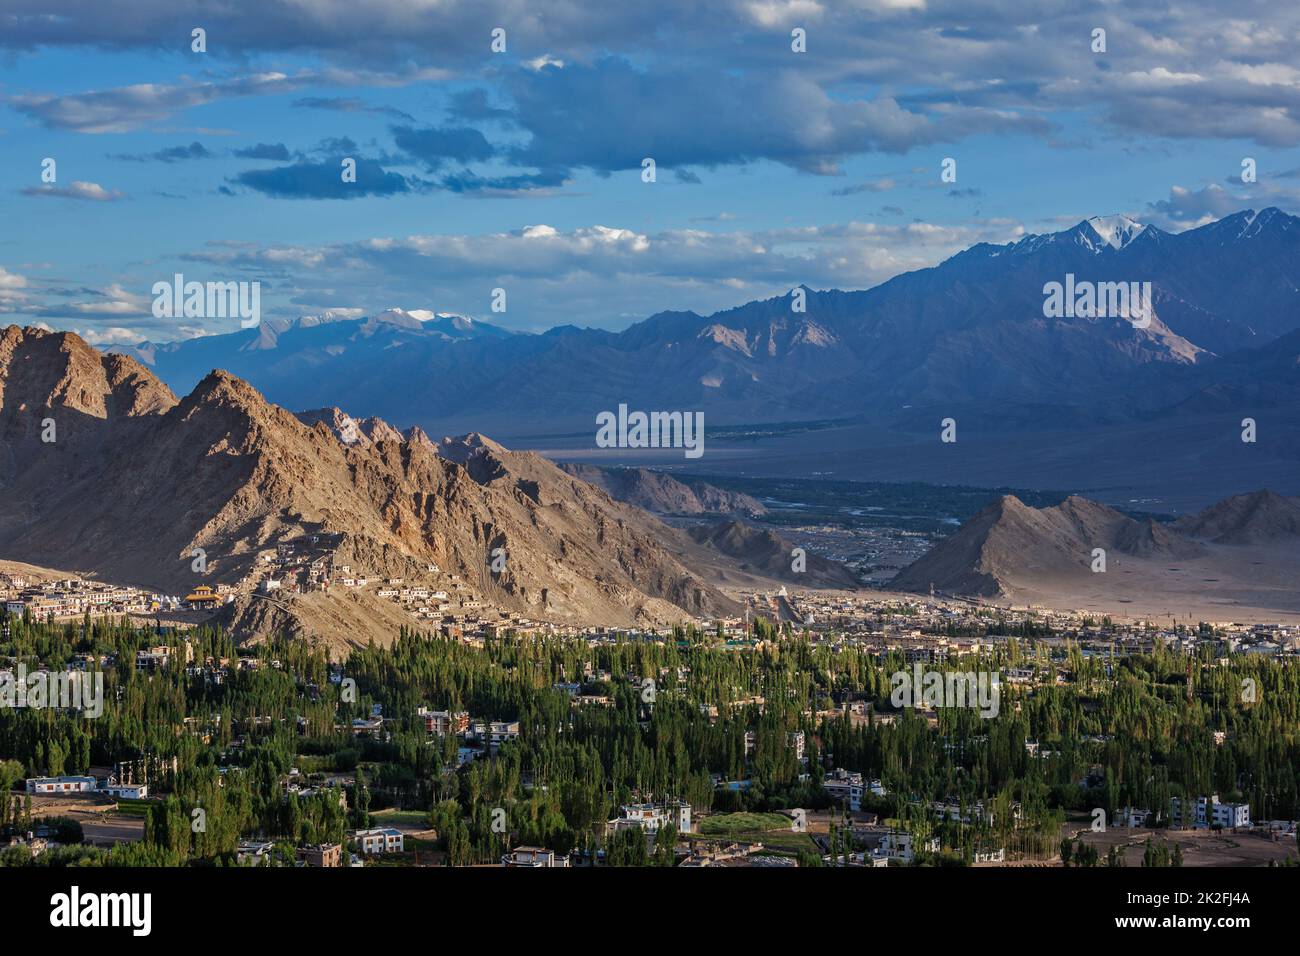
point(901, 846)
point(1131, 818)
point(797, 740)
point(126, 791)
point(494, 733)
point(652, 816)
point(532, 857)
point(379, 840)
point(845, 787)
point(49, 785)
point(1207, 812)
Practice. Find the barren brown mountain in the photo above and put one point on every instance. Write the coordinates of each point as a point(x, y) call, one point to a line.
point(763, 552)
point(1246, 519)
point(135, 480)
point(1235, 560)
point(664, 494)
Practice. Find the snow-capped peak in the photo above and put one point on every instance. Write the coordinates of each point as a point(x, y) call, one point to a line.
point(1116, 231)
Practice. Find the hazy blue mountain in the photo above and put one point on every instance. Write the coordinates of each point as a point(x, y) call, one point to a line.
point(969, 333)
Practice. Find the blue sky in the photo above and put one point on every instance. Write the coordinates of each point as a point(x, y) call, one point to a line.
point(522, 169)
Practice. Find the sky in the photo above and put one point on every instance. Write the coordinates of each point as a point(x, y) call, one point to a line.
point(523, 168)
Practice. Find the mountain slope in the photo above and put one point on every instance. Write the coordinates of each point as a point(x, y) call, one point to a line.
point(762, 551)
point(136, 480)
point(1008, 543)
point(1237, 560)
point(1253, 518)
point(664, 494)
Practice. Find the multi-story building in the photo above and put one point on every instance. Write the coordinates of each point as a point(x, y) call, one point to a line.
point(379, 840)
point(845, 787)
point(1203, 812)
point(323, 854)
point(901, 846)
point(444, 722)
point(494, 733)
point(797, 740)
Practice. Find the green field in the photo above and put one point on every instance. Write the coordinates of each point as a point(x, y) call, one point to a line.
point(134, 808)
point(418, 818)
point(729, 824)
point(773, 830)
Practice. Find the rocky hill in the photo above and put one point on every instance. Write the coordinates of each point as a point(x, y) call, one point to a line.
point(135, 480)
point(664, 494)
point(1237, 557)
point(762, 551)
point(1253, 518)
point(1008, 543)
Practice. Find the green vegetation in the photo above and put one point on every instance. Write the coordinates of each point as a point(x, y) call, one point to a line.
point(1123, 733)
point(729, 824)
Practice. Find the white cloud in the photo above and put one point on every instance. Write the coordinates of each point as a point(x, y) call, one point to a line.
point(112, 302)
point(92, 192)
point(593, 275)
point(12, 289)
point(126, 108)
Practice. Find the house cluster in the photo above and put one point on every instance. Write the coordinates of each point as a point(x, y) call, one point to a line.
point(924, 627)
point(35, 841)
point(580, 696)
point(438, 599)
point(74, 597)
point(152, 658)
point(480, 735)
point(717, 853)
point(871, 845)
point(302, 564)
point(734, 855)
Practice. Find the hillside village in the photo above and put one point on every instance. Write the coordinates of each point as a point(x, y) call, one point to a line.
point(444, 603)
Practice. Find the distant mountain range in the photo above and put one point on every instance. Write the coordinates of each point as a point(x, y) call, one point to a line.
point(968, 333)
